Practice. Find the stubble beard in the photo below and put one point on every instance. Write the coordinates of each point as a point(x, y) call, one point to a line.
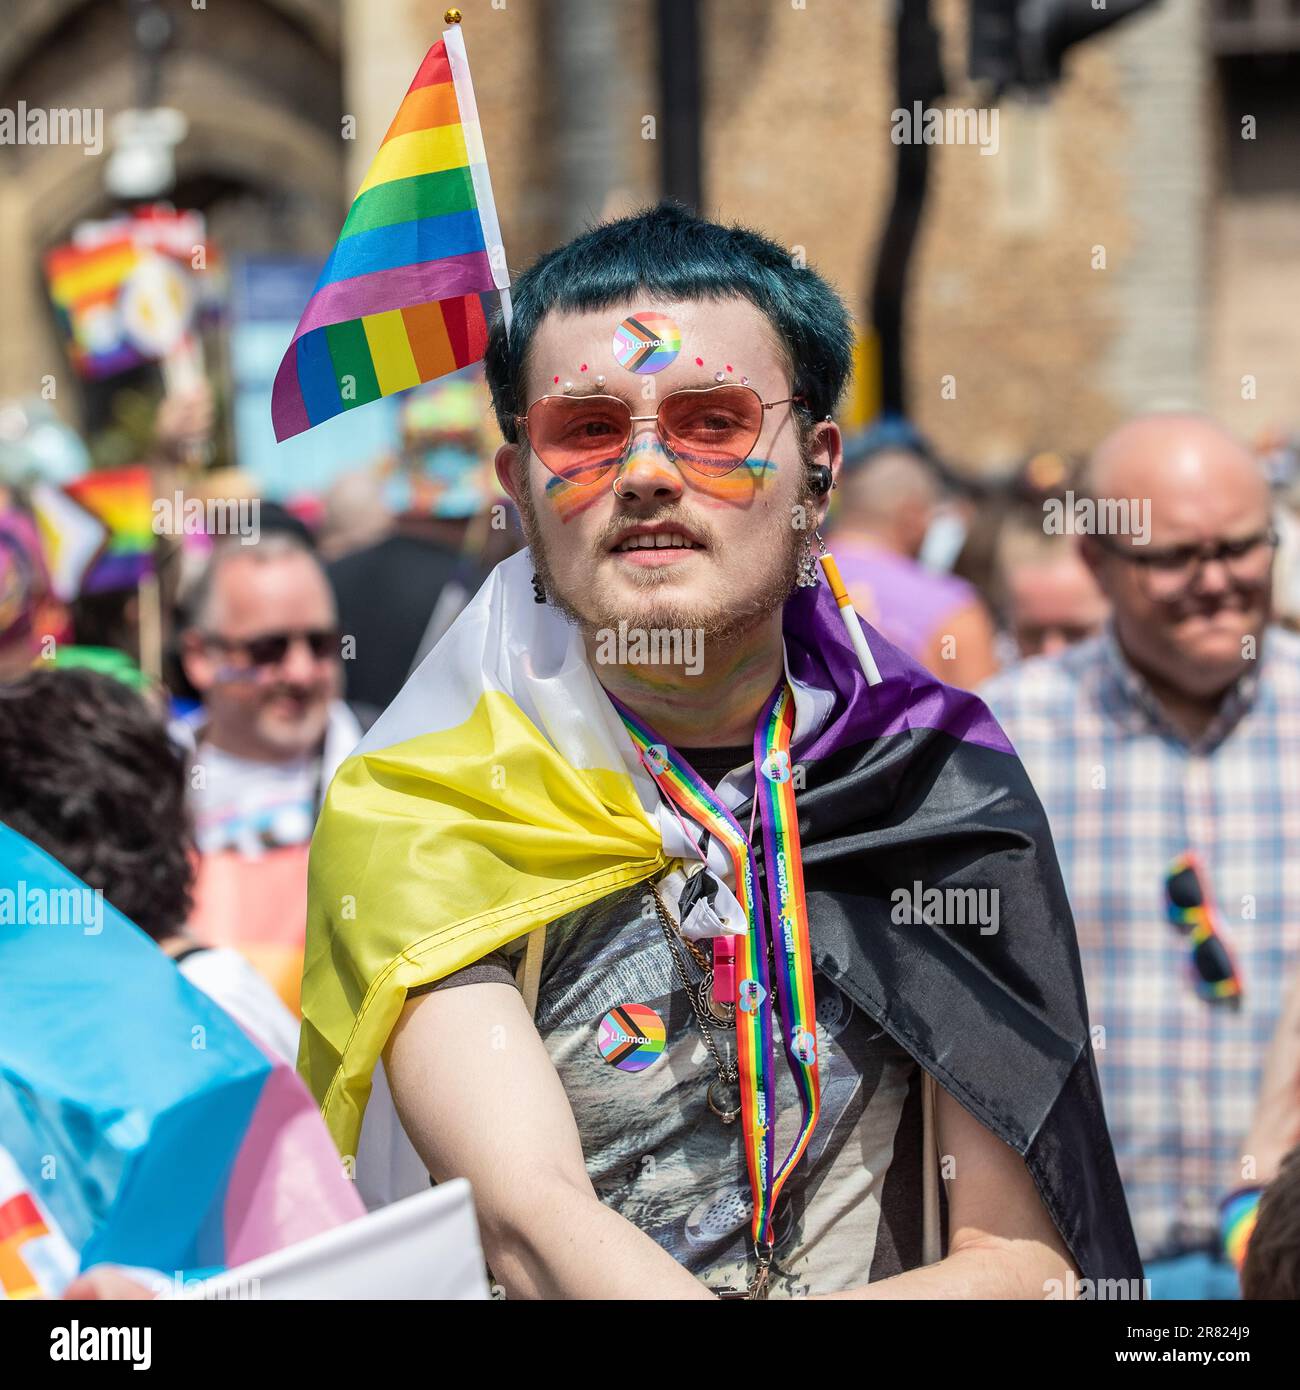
point(719, 623)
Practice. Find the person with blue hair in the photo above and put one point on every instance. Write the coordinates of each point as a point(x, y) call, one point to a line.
point(612, 908)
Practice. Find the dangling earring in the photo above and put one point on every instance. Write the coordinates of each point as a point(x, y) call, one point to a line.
point(807, 575)
point(539, 590)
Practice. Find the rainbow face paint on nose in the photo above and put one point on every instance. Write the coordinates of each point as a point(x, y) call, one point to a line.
point(736, 488)
point(647, 342)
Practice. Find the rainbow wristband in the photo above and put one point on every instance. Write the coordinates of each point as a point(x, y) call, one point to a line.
point(1237, 1214)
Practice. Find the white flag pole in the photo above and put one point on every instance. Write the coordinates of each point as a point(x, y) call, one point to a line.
point(458, 60)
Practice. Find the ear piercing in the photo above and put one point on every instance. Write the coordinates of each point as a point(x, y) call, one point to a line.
point(807, 577)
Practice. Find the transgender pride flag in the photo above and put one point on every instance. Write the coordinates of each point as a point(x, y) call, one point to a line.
point(398, 300)
point(139, 1125)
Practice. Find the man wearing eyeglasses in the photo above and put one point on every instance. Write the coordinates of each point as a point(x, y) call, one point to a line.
point(650, 762)
point(262, 648)
point(1165, 751)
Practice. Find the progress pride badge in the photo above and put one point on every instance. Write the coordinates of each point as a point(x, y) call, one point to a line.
point(647, 342)
point(631, 1037)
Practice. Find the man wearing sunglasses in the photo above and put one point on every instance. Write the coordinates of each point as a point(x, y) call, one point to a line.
point(636, 827)
point(1165, 752)
point(262, 648)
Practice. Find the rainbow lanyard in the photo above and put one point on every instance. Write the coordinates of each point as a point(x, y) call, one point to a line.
point(774, 789)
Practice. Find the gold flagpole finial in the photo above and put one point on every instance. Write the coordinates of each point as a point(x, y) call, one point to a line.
point(452, 17)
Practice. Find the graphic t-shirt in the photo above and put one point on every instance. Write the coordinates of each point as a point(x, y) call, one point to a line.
point(656, 1153)
point(252, 807)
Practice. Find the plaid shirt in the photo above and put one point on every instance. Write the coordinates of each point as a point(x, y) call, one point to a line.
point(1124, 794)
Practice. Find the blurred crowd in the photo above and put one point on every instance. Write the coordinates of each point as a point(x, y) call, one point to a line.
point(170, 741)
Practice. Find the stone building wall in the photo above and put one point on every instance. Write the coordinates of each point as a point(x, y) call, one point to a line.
point(1008, 297)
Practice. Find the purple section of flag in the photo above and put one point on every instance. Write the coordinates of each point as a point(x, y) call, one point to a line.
point(383, 290)
point(111, 573)
point(819, 652)
point(375, 293)
point(96, 366)
point(288, 409)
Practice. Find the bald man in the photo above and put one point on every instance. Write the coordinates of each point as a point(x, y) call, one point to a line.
point(1167, 754)
point(885, 508)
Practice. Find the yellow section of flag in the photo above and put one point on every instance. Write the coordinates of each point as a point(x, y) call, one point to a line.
point(418, 152)
point(436, 851)
point(390, 350)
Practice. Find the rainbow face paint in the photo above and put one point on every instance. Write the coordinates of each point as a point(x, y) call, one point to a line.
point(569, 500)
point(738, 487)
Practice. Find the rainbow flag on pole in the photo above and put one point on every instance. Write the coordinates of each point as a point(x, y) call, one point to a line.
point(398, 300)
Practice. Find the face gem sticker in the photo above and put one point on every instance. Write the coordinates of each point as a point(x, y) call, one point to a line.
point(647, 342)
point(631, 1037)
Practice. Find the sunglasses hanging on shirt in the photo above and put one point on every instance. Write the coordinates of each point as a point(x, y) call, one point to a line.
point(1190, 908)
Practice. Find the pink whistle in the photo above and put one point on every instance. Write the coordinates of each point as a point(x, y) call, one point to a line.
point(724, 970)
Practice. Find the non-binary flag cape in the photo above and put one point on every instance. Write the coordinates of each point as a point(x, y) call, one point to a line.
point(151, 1129)
point(501, 791)
point(398, 300)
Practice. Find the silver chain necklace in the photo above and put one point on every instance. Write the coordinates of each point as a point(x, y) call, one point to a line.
point(723, 1094)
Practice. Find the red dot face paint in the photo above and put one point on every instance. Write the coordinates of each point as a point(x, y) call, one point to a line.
point(699, 361)
point(583, 368)
point(555, 380)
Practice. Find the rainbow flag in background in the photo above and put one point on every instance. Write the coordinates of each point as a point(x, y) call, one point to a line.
point(398, 301)
point(122, 499)
point(115, 278)
point(150, 1127)
point(85, 284)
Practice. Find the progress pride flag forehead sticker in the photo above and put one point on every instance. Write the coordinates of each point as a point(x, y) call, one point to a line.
point(647, 342)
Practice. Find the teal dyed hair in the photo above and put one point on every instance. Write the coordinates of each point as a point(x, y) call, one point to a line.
point(666, 253)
